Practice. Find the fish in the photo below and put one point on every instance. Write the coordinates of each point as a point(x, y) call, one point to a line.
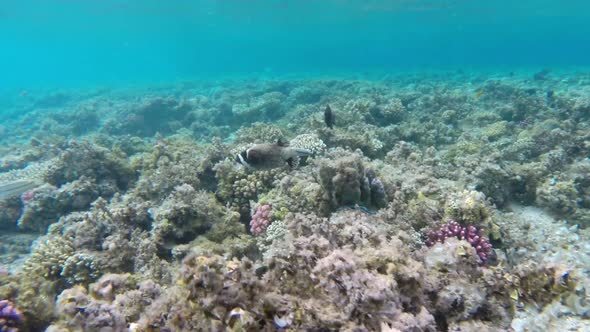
point(269, 156)
point(16, 188)
point(478, 94)
point(329, 117)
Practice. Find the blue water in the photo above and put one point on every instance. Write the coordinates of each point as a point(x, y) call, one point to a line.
point(59, 43)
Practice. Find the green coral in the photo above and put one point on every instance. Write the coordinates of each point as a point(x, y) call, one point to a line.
point(172, 162)
point(186, 213)
point(468, 207)
point(237, 186)
point(559, 196)
point(48, 257)
point(496, 130)
point(80, 268)
point(259, 132)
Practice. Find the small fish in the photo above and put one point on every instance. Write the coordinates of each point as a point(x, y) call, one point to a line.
point(541, 75)
point(16, 188)
point(478, 94)
point(329, 117)
point(268, 156)
point(359, 208)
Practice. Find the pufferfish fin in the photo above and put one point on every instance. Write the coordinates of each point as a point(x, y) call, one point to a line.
point(293, 162)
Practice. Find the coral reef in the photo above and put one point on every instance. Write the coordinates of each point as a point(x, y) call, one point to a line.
point(143, 221)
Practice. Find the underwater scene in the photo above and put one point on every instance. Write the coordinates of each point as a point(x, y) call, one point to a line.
point(294, 165)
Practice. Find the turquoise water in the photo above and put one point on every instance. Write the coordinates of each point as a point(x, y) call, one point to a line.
point(73, 43)
point(294, 165)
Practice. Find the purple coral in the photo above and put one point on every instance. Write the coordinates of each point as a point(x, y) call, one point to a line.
point(260, 219)
point(10, 317)
point(471, 234)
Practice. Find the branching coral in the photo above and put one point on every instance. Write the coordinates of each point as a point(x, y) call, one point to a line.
point(475, 237)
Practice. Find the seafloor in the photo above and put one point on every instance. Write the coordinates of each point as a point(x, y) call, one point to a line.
point(143, 220)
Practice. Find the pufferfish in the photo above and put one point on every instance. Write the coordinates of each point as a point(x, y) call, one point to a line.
point(268, 156)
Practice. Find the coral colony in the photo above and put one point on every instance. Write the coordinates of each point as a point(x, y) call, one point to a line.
point(474, 236)
point(10, 317)
point(260, 219)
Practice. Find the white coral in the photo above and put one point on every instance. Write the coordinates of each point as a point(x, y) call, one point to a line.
point(309, 142)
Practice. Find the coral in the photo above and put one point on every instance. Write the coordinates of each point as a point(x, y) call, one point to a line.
point(10, 317)
point(276, 231)
point(87, 159)
point(260, 219)
point(305, 95)
point(469, 207)
point(44, 205)
point(186, 213)
point(10, 211)
point(80, 268)
point(259, 132)
point(113, 303)
point(475, 237)
point(344, 181)
point(360, 106)
point(309, 142)
point(296, 192)
point(393, 111)
point(170, 163)
point(153, 202)
point(559, 196)
point(377, 189)
point(496, 130)
point(541, 284)
point(148, 117)
point(48, 257)
point(237, 186)
point(267, 105)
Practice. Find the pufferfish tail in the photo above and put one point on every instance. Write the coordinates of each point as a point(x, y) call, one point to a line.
point(15, 188)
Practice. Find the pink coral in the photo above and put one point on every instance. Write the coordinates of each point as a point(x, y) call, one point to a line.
point(470, 234)
point(260, 219)
point(10, 316)
point(27, 196)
